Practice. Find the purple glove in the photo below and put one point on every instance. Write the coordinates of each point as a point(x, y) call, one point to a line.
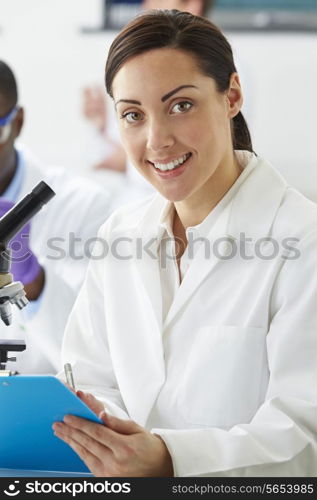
point(24, 264)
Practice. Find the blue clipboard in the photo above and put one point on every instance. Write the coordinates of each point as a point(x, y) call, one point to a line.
point(28, 407)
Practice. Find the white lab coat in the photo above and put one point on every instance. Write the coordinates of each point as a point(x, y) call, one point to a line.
point(229, 380)
point(79, 207)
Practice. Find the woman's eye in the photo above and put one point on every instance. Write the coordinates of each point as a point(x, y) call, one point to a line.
point(132, 116)
point(181, 107)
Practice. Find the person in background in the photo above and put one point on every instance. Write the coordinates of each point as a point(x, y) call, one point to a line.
point(199, 348)
point(99, 112)
point(50, 254)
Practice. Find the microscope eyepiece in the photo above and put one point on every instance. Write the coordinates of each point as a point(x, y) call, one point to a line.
point(43, 192)
point(23, 211)
point(10, 224)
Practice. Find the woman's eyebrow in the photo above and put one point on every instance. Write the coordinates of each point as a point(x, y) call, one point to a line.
point(163, 99)
point(129, 101)
point(172, 92)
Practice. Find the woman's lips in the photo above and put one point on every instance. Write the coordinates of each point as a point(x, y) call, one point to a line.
point(168, 174)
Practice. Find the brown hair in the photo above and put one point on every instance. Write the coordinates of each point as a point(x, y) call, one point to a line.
point(180, 30)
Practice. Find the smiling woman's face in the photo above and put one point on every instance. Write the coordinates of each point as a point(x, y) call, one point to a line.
point(174, 124)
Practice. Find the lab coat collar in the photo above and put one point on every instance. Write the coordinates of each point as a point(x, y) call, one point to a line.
point(253, 207)
point(251, 212)
point(248, 162)
point(256, 203)
point(32, 169)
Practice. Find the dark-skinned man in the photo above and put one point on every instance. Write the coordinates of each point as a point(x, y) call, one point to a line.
point(50, 254)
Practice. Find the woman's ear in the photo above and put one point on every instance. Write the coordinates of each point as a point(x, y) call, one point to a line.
point(234, 96)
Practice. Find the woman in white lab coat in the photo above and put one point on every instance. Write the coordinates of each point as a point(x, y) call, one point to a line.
point(205, 362)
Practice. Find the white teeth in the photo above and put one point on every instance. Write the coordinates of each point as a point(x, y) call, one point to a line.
point(172, 164)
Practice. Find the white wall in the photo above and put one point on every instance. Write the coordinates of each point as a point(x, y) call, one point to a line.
point(43, 43)
point(41, 40)
point(280, 72)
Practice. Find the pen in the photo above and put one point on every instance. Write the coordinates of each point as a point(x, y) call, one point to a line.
point(69, 375)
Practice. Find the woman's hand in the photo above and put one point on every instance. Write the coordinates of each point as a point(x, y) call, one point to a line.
point(94, 404)
point(118, 448)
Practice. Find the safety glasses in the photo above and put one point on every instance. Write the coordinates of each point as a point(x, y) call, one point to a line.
point(6, 124)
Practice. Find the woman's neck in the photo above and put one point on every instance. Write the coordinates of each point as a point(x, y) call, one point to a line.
point(195, 209)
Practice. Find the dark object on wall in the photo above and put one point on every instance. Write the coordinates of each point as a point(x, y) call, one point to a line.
point(229, 15)
point(115, 14)
point(266, 15)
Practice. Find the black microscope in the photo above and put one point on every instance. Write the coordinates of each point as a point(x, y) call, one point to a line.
point(12, 292)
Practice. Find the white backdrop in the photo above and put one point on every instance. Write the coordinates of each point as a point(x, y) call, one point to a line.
point(42, 41)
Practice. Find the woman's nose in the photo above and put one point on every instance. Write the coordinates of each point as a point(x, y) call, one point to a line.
point(159, 136)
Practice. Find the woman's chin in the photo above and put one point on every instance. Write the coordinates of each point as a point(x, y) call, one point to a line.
point(174, 196)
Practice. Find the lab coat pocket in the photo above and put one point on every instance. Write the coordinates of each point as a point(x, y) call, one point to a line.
point(222, 378)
